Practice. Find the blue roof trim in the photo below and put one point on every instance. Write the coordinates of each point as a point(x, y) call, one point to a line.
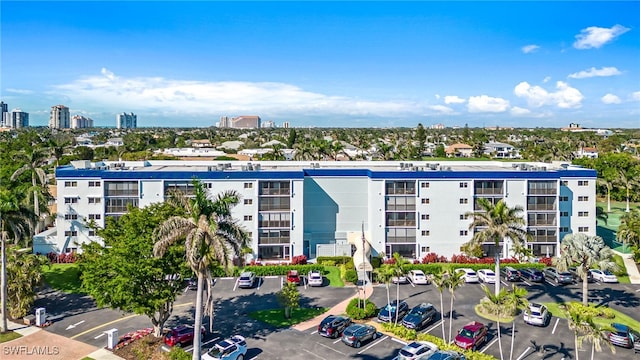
point(70, 172)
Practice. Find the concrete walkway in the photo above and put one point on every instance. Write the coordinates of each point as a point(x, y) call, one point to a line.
point(339, 309)
point(632, 268)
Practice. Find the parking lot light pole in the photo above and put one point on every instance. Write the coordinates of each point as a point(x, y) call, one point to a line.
point(364, 269)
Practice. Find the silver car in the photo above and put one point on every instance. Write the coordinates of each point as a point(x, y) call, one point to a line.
point(247, 279)
point(537, 314)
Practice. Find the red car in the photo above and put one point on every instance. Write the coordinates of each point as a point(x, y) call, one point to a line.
point(293, 277)
point(180, 335)
point(471, 336)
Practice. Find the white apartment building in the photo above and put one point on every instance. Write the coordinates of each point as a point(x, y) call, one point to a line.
point(126, 121)
point(16, 119)
point(59, 117)
point(289, 208)
point(81, 122)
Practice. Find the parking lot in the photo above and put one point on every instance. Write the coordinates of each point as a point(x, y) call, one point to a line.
point(233, 304)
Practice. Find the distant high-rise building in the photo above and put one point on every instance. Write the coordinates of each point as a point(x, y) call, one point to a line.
point(59, 118)
point(3, 113)
point(16, 119)
point(246, 122)
point(437, 126)
point(268, 124)
point(224, 122)
point(81, 122)
point(126, 121)
point(285, 124)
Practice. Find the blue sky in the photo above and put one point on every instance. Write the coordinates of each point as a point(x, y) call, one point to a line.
point(342, 64)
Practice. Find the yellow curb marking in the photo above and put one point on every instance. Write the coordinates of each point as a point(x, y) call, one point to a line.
point(115, 321)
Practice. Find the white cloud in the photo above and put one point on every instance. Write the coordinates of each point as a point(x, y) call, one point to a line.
point(605, 71)
point(19, 91)
point(484, 103)
point(518, 111)
point(635, 95)
point(610, 99)
point(453, 99)
point(595, 37)
point(441, 109)
point(437, 96)
point(529, 48)
point(168, 96)
point(546, 79)
point(565, 97)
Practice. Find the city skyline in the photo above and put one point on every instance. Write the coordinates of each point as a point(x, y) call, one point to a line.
point(326, 64)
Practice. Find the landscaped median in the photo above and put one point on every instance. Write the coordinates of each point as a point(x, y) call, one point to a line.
point(602, 315)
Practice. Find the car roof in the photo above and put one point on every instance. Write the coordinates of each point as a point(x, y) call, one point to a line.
point(620, 327)
point(247, 273)
point(474, 326)
point(535, 306)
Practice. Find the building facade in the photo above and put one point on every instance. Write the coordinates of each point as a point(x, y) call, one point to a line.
point(81, 122)
point(59, 117)
point(4, 110)
point(289, 208)
point(246, 122)
point(126, 121)
point(16, 119)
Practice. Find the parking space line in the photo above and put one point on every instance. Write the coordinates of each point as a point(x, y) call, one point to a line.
point(272, 277)
point(554, 326)
point(525, 281)
point(227, 278)
point(259, 283)
point(524, 353)
point(314, 331)
point(235, 285)
point(330, 348)
point(489, 345)
point(372, 345)
point(190, 347)
point(549, 282)
point(504, 283)
point(399, 341)
point(309, 352)
point(281, 283)
point(433, 327)
point(337, 341)
point(638, 290)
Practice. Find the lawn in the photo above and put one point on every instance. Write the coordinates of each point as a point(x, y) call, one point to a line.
point(623, 279)
point(63, 277)
point(620, 318)
point(332, 273)
point(8, 336)
point(275, 317)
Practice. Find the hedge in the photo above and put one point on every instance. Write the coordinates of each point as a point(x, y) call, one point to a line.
point(437, 267)
point(355, 312)
point(269, 270)
point(337, 259)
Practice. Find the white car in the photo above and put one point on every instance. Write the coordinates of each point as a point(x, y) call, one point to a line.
point(234, 348)
point(417, 277)
point(537, 314)
point(400, 280)
point(246, 279)
point(469, 275)
point(417, 350)
point(314, 278)
point(604, 276)
point(487, 276)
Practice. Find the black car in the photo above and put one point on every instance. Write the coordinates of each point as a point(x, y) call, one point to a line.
point(577, 278)
point(388, 313)
point(357, 334)
point(559, 277)
point(510, 274)
point(419, 316)
point(333, 325)
point(531, 274)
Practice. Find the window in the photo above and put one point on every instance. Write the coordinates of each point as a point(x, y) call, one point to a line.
point(248, 185)
point(464, 216)
point(94, 216)
point(73, 200)
point(425, 216)
point(564, 213)
point(426, 233)
point(464, 201)
point(425, 201)
point(464, 232)
point(583, 229)
point(71, 216)
point(425, 249)
point(564, 229)
point(71, 233)
point(248, 201)
point(464, 184)
point(249, 234)
point(583, 198)
point(94, 183)
point(564, 198)
point(94, 200)
point(70, 184)
point(400, 188)
point(583, 183)
point(565, 183)
point(248, 217)
point(583, 213)
point(92, 233)
point(424, 185)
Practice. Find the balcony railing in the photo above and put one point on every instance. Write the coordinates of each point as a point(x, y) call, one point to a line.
point(401, 207)
point(400, 239)
point(541, 207)
point(272, 192)
point(274, 240)
point(543, 191)
point(392, 223)
point(488, 191)
point(274, 224)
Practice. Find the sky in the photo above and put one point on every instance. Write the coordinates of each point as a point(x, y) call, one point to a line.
point(325, 64)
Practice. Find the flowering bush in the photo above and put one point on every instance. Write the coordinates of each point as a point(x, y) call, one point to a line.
point(464, 259)
point(546, 260)
point(64, 258)
point(299, 260)
point(433, 258)
point(132, 336)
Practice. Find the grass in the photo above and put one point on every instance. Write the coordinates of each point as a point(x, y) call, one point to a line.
point(504, 319)
point(332, 273)
point(275, 317)
point(8, 336)
point(620, 318)
point(87, 358)
point(608, 230)
point(63, 277)
point(622, 278)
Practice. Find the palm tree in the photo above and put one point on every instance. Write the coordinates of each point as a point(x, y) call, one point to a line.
point(497, 305)
point(596, 335)
point(33, 158)
point(627, 179)
point(629, 229)
point(398, 270)
point(212, 237)
point(495, 223)
point(577, 320)
point(439, 280)
point(454, 281)
point(585, 252)
point(384, 274)
point(607, 182)
point(517, 298)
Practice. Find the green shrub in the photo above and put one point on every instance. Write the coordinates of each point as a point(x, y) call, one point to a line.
point(351, 276)
point(268, 270)
point(400, 331)
point(336, 259)
point(356, 312)
point(328, 263)
point(607, 313)
point(343, 272)
point(376, 262)
point(178, 353)
point(442, 345)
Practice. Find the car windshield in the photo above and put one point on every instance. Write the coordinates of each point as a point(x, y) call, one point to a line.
point(390, 307)
point(417, 311)
point(315, 276)
point(535, 313)
point(418, 273)
point(216, 352)
point(466, 334)
point(471, 273)
point(608, 272)
point(244, 278)
point(489, 273)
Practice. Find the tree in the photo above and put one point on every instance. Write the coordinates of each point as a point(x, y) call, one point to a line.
point(497, 305)
point(439, 280)
point(517, 298)
point(454, 281)
point(421, 138)
point(211, 237)
point(398, 270)
point(627, 178)
point(585, 252)
point(291, 140)
point(289, 298)
point(629, 229)
point(24, 275)
point(577, 319)
point(596, 335)
point(32, 159)
point(440, 152)
point(496, 223)
point(125, 275)
point(384, 274)
point(607, 180)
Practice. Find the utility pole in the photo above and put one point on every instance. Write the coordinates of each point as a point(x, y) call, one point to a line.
point(364, 268)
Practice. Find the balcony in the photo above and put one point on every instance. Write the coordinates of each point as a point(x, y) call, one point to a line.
point(275, 192)
point(553, 191)
point(541, 207)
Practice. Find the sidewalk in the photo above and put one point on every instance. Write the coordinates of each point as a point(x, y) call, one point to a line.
point(632, 268)
point(339, 309)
